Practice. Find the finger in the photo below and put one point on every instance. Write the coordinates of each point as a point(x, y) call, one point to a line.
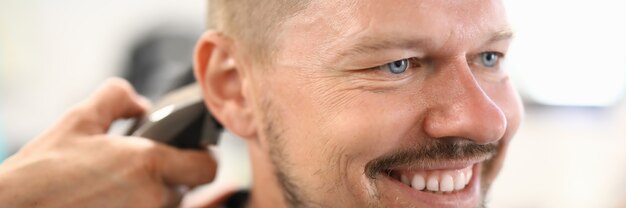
point(173, 197)
point(113, 100)
point(220, 199)
point(186, 167)
point(212, 196)
point(157, 195)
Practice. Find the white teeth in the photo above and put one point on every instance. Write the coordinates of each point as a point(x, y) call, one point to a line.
point(459, 181)
point(447, 183)
point(405, 180)
point(432, 184)
point(468, 176)
point(418, 182)
point(438, 181)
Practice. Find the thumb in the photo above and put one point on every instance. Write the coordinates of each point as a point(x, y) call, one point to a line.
point(113, 100)
point(186, 167)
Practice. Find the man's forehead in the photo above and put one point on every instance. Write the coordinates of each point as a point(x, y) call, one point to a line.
point(333, 26)
point(371, 44)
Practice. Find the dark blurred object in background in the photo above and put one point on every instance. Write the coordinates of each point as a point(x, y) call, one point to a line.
point(161, 61)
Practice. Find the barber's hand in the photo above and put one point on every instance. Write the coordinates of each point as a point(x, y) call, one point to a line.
point(76, 164)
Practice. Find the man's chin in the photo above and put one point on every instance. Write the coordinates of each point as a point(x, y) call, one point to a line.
point(440, 188)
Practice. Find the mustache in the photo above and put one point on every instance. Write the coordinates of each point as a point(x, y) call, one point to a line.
point(442, 149)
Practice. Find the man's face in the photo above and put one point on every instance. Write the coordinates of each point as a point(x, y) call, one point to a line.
point(389, 104)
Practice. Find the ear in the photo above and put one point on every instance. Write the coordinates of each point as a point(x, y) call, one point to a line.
point(222, 83)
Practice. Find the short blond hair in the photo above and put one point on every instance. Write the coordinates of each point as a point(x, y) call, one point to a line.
point(253, 23)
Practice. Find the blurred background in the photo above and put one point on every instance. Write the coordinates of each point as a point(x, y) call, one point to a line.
point(568, 61)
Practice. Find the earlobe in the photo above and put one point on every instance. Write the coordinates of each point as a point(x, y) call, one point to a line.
point(222, 83)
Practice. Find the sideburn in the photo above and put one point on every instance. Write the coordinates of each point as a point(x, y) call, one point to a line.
point(291, 191)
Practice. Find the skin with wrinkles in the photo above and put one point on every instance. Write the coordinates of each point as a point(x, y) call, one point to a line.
point(324, 121)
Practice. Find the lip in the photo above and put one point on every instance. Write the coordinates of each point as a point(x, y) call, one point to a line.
point(468, 197)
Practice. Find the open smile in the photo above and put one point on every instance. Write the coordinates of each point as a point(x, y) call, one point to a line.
point(449, 185)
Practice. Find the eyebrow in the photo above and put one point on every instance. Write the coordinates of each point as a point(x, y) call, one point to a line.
point(371, 44)
point(500, 36)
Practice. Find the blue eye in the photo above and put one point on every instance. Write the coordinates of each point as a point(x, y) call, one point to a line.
point(489, 59)
point(397, 67)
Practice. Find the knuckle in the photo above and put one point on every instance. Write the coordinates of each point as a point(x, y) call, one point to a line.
point(119, 87)
point(152, 196)
point(74, 113)
point(119, 83)
point(78, 116)
point(147, 147)
point(146, 154)
point(157, 196)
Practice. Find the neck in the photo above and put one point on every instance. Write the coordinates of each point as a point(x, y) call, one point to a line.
point(266, 190)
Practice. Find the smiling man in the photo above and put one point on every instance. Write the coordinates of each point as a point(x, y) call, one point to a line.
point(363, 103)
point(356, 103)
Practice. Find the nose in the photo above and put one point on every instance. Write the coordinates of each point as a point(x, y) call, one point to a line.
point(461, 108)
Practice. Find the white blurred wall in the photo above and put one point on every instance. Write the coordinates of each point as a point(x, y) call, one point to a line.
point(53, 53)
point(566, 157)
point(567, 53)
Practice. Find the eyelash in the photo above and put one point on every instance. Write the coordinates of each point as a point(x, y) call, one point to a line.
point(499, 55)
point(413, 62)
